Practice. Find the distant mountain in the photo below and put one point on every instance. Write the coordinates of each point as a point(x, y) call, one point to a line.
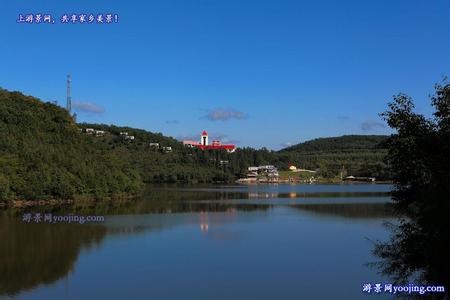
point(342, 143)
point(357, 155)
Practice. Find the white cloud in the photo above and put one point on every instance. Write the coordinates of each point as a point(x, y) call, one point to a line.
point(371, 125)
point(87, 107)
point(220, 114)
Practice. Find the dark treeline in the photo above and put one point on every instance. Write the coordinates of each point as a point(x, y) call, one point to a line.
point(44, 154)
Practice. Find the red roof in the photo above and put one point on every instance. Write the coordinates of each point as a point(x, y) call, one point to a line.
point(204, 132)
point(227, 147)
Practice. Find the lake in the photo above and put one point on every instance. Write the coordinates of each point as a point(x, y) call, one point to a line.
point(201, 242)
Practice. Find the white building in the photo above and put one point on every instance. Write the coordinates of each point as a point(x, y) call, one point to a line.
point(167, 149)
point(204, 138)
point(270, 172)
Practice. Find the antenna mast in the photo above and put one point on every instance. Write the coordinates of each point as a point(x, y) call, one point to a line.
point(69, 98)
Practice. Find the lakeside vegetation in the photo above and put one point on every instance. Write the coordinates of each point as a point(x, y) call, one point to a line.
point(45, 155)
point(420, 162)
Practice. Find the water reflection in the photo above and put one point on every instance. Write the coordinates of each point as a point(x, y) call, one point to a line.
point(41, 253)
point(350, 210)
point(36, 254)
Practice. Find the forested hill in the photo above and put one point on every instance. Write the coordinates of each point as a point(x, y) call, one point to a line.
point(44, 154)
point(346, 142)
point(357, 155)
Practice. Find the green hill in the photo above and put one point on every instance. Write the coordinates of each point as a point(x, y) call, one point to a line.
point(358, 155)
point(342, 143)
point(44, 154)
point(149, 154)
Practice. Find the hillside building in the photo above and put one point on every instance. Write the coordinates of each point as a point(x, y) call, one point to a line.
point(205, 145)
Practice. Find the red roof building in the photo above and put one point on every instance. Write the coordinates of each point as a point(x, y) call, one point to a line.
point(204, 144)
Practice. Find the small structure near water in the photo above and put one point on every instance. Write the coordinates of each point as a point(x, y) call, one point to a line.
point(363, 179)
point(261, 174)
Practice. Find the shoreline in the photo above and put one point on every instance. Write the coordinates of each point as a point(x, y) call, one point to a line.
point(23, 204)
point(291, 182)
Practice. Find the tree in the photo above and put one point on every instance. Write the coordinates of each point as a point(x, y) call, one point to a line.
point(4, 188)
point(419, 156)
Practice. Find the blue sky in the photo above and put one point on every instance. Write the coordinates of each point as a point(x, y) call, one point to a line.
point(261, 73)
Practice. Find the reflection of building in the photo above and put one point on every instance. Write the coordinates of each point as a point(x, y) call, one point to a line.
point(263, 195)
point(205, 145)
point(204, 227)
point(204, 222)
point(209, 220)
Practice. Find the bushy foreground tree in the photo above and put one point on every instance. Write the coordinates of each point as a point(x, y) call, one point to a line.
point(419, 154)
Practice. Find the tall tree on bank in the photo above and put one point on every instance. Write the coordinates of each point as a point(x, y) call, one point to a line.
point(419, 155)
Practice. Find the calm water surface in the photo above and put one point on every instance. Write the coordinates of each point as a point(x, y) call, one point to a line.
point(216, 242)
